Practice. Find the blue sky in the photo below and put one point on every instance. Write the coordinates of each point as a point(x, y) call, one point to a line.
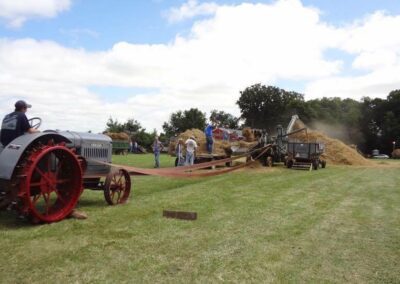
point(99, 24)
point(145, 59)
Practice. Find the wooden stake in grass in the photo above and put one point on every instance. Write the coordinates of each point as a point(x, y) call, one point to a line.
point(180, 215)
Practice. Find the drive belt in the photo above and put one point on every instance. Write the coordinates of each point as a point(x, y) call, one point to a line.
point(193, 171)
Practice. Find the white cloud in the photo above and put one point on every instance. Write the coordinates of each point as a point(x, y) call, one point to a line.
point(190, 9)
point(377, 57)
point(17, 12)
point(239, 46)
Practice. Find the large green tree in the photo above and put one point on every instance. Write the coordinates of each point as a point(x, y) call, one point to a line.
point(381, 122)
point(135, 130)
point(224, 119)
point(265, 107)
point(180, 121)
point(344, 115)
point(130, 126)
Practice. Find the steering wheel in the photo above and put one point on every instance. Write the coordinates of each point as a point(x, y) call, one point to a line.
point(35, 122)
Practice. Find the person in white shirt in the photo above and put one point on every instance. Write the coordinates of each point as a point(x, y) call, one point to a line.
point(191, 146)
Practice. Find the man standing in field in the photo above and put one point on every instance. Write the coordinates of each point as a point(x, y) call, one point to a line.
point(157, 148)
point(209, 137)
point(191, 146)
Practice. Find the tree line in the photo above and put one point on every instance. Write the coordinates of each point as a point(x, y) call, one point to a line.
point(371, 123)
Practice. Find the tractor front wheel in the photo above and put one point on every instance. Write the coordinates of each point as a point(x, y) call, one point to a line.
point(117, 187)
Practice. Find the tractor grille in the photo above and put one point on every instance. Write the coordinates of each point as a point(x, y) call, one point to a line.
point(95, 153)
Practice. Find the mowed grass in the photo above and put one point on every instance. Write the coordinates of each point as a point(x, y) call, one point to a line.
point(341, 224)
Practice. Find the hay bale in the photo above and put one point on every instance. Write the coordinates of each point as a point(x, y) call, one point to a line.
point(396, 154)
point(219, 148)
point(118, 136)
point(336, 152)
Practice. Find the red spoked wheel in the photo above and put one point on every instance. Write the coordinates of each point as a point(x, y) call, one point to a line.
point(52, 184)
point(117, 187)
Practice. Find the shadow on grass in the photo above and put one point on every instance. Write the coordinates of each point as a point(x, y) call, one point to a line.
point(10, 220)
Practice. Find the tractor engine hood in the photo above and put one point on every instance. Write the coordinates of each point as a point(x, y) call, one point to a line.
point(79, 139)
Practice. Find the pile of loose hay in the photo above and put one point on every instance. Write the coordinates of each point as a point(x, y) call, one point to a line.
point(336, 152)
point(396, 154)
point(248, 134)
point(220, 147)
point(118, 136)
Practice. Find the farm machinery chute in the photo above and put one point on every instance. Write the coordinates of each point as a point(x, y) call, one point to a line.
point(42, 175)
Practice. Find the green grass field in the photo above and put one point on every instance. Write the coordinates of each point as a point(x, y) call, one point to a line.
point(341, 224)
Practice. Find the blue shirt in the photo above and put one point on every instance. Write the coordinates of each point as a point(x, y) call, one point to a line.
point(157, 146)
point(209, 130)
point(14, 125)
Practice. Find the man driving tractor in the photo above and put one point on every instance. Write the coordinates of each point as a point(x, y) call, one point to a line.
point(16, 123)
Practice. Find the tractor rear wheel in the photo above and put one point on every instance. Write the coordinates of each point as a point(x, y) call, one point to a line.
point(117, 187)
point(52, 183)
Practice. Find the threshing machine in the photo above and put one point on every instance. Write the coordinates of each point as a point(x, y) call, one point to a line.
point(42, 175)
point(294, 154)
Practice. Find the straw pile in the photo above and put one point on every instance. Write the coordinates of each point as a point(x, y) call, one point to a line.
point(118, 136)
point(396, 154)
point(219, 147)
point(336, 152)
point(248, 134)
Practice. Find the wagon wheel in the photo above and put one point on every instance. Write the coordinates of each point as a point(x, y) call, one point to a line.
point(315, 164)
point(52, 184)
point(117, 187)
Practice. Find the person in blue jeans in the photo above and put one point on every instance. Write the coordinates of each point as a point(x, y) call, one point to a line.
point(191, 146)
point(209, 137)
point(157, 147)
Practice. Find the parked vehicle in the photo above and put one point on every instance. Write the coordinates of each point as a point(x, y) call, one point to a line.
point(380, 156)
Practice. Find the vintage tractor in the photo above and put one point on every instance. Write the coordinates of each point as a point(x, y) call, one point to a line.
point(42, 175)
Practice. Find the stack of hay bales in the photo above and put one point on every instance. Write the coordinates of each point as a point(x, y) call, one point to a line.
point(396, 154)
point(219, 147)
point(118, 136)
point(336, 152)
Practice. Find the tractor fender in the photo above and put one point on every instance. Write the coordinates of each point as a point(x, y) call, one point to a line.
point(13, 152)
